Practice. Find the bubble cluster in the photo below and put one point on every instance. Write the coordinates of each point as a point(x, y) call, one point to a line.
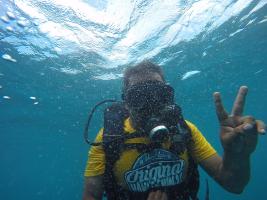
point(35, 100)
point(9, 19)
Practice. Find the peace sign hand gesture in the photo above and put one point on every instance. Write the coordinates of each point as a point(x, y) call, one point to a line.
point(238, 133)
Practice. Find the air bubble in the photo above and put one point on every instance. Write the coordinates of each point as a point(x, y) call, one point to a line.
point(6, 97)
point(189, 74)
point(8, 58)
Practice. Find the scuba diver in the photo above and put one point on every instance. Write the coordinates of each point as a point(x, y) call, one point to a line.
point(146, 150)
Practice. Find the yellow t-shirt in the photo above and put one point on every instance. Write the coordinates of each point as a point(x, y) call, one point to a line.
point(139, 171)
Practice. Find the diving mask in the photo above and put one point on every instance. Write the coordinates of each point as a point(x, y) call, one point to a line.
point(152, 106)
point(149, 95)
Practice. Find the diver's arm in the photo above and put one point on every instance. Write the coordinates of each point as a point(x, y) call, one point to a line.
point(232, 171)
point(93, 188)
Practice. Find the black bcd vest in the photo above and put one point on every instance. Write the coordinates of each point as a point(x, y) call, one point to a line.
point(113, 142)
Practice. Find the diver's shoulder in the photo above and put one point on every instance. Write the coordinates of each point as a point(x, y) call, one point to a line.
point(190, 124)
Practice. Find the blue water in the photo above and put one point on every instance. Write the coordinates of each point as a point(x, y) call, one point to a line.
point(58, 59)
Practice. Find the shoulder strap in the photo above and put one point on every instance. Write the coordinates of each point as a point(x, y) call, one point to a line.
point(114, 117)
point(193, 179)
point(192, 182)
point(182, 141)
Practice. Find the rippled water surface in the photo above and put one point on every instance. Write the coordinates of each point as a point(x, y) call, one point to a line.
point(58, 58)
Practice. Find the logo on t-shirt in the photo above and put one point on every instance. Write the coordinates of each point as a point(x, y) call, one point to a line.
point(158, 168)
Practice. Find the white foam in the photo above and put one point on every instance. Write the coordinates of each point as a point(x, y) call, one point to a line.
point(189, 74)
point(70, 71)
point(262, 21)
point(259, 71)
point(107, 77)
point(259, 5)
point(251, 21)
point(10, 15)
point(5, 19)
point(127, 34)
point(8, 58)
point(57, 49)
point(9, 28)
point(239, 30)
point(22, 23)
point(222, 40)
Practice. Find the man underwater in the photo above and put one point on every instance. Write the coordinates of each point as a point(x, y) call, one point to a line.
point(157, 152)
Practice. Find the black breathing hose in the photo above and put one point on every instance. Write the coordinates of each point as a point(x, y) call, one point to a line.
point(85, 133)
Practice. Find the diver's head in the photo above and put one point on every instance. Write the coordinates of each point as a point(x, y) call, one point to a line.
point(145, 92)
point(142, 72)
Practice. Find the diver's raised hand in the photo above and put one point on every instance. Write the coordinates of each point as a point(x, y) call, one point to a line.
point(238, 133)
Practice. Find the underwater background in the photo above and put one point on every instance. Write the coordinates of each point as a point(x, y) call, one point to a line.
point(59, 58)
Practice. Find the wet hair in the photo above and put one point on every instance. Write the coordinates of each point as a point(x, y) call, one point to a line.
point(143, 69)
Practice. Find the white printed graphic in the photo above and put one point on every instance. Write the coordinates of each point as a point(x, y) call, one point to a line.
point(159, 168)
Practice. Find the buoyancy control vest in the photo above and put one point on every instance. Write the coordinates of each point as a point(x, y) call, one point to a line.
point(114, 144)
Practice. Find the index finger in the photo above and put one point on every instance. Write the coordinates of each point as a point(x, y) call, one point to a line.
point(240, 100)
point(221, 113)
